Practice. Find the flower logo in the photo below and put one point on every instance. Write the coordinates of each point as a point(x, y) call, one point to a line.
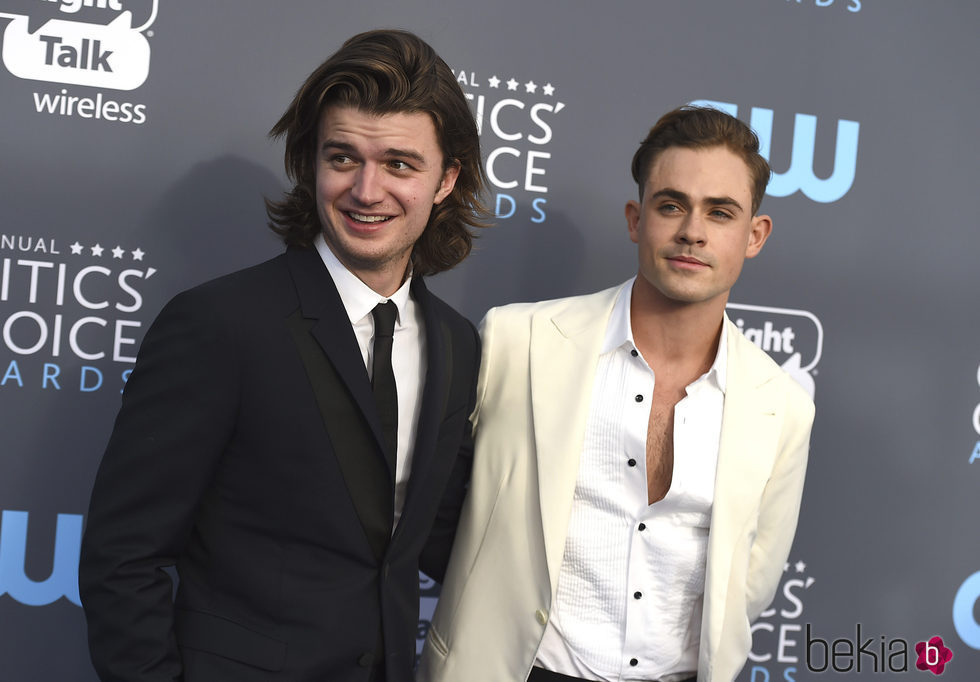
point(933, 655)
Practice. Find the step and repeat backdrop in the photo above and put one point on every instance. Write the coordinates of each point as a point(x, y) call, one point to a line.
point(134, 161)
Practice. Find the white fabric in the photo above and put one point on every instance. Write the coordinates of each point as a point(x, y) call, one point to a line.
point(407, 354)
point(598, 625)
point(536, 379)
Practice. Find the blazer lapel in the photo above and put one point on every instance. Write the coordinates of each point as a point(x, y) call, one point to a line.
point(564, 353)
point(438, 377)
point(328, 348)
point(747, 448)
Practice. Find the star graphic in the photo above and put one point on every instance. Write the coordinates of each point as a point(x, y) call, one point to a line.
point(76, 248)
point(549, 89)
point(512, 84)
point(118, 252)
point(800, 566)
point(138, 254)
point(785, 567)
point(531, 86)
point(96, 250)
point(494, 81)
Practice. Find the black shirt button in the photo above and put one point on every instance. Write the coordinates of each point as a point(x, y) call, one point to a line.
point(637, 595)
point(642, 526)
point(634, 353)
point(633, 661)
point(638, 398)
point(631, 462)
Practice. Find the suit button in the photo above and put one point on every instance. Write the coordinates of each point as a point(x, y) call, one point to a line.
point(366, 660)
point(541, 616)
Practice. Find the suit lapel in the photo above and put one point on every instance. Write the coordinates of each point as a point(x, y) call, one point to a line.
point(438, 377)
point(564, 352)
point(328, 348)
point(749, 435)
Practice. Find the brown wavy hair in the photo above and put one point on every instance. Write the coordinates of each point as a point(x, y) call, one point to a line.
point(698, 128)
point(385, 72)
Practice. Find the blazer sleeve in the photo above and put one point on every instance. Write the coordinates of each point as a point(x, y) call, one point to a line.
point(435, 555)
point(779, 507)
point(178, 409)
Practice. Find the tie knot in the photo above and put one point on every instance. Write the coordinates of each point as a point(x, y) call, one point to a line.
point(384, 319)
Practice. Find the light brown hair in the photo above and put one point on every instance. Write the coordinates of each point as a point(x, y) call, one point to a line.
point(698, 128)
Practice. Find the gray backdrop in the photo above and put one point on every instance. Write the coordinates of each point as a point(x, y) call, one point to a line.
point(119, 188)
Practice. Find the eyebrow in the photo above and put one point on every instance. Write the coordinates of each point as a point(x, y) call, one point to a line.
point(391, 152)
point(677, 195)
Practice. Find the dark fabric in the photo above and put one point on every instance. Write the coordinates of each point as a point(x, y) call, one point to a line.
point(542, 675)
point(383, 377)
point(249, 453)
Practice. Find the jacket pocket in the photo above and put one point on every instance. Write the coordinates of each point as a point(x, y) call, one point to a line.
point(216, 635)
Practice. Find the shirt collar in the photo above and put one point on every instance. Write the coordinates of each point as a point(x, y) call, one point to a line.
point(619, 334)
point(358, 298)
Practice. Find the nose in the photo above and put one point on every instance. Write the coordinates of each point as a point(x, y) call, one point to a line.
point(692, 230)
point(367, 188)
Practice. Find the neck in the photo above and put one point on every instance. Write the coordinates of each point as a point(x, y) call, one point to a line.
point(679, 339)
point(383, 283)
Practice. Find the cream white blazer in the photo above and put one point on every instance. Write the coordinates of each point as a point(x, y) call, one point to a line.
point(533, 398)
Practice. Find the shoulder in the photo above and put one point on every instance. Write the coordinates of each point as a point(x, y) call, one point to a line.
point(756, 364)
point(245, 289)
point(231, 305)
point(460, 329)
point(519, 315)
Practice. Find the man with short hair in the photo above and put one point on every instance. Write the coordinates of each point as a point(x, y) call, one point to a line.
point(639, 463)
point(294, 436)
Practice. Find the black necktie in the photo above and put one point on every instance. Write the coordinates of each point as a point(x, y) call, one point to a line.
point(383, 377)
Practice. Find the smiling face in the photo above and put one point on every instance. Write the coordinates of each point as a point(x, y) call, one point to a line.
point(694, 226)
point(377, 179)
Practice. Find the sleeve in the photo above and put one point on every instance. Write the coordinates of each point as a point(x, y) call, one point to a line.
point(177, 413)
point(779, 507)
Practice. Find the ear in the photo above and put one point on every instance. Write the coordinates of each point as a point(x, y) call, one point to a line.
point(758, 234)
point(633, 220)
point(447, 183)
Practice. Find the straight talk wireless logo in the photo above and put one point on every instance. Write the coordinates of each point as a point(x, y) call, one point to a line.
point(41, 43)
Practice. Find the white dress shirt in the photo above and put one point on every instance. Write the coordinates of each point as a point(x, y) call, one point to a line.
point(631, 587)
point(407, 354)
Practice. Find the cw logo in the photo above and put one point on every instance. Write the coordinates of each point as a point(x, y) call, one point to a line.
point(800, 175)
point(63, 581)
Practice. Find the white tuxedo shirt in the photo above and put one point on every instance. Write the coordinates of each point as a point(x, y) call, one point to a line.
point(533, 399)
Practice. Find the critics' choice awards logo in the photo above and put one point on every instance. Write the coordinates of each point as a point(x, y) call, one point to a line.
point(785, 648)
point(777, 634)
point(793, 338)
point(515, 119)
point(800, 175)
point(70, 316)
point(89, 43)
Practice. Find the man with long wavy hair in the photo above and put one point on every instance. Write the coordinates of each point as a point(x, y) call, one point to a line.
point(294, 436)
